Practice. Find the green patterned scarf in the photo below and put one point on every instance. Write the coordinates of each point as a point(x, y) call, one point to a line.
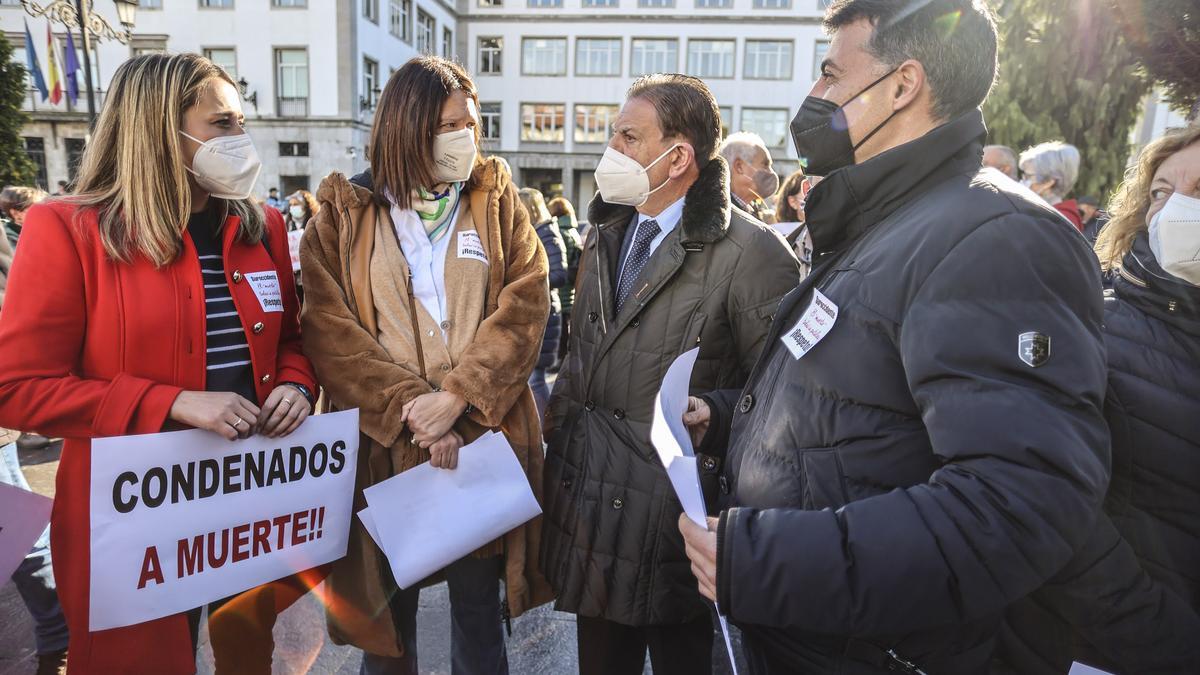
point(437, 209)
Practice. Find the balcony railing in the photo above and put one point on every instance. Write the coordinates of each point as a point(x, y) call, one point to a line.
point(291, 107)
point(33, 103)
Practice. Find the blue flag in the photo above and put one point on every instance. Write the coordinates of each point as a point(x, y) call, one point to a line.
point(72, 67)
point(31, 63)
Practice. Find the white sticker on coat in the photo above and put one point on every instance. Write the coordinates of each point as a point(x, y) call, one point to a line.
point(266, 289)
point(814, 325)
point(471, 246)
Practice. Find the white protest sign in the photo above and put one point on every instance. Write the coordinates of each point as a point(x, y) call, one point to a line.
point(674, 445)
point(425, 518)
point(23, 518)
point(294, 238)
point(181, 519)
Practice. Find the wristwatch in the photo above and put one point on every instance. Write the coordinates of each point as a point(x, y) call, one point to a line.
point(308, 395)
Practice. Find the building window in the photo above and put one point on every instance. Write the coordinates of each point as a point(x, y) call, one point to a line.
point(772, 4)
point(714, 4)
point(711, 58)
point(820, 51)
point(142, 4)
point(371, 10)
point(768, 60)
point(654, 56)
point(545, 3)
point(289, 3)
point(400, 19)
point(291, 82)
point(219, 4)
point(726, 116)
point(36, 149)
point(599, 3)
point(490, 50)
point(656, 3)
point(491, 3)
point(370, 83)
point(598, 56)
point(140, 46)
point(226, 57)
point(770, 123)
point(489, 121)
point(290, 184)
point(74, 148)
point(447, 43)
point(425, 33)
point(544, 56)
point(293, 149)
point(542, 123)
point(593, 123)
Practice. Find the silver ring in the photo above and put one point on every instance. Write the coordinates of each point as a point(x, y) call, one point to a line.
point(239, 423)
point(287, 401)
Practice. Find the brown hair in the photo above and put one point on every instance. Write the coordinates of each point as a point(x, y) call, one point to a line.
point(686, 108)
point(1131, 201)
point(133, 171)
point(560, 206)
point(19, 198)
point(792, 185)
point(406, 121)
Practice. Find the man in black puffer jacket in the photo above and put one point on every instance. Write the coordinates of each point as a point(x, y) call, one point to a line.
point(921, 442)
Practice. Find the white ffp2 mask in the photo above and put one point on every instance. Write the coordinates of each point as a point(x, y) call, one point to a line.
point(1175, 237)
point(621, 180)
point(226, 166)
point(454, 155)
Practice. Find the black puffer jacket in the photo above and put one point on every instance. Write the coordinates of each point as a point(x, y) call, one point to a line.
point(1129, 602)
point(552, 241)
point(942, 451)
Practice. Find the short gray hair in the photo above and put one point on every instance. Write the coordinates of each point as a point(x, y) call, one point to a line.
point(743, 145)
point(1010, 155)
point(1054, 160)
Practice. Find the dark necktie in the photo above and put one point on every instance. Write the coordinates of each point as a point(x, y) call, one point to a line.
point(639, 253)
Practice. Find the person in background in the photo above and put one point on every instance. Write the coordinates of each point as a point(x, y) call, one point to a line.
point(1050, 170)
point(789, 217)
point(62, 189)
point(568, 227)
point(670, 266)
point(300, 208)
point(15, 202)
point(34, 577)
point(1129, 601)
point(1093, 217)
point(425, 306)
point(1001, 158)
point(556, 254)
point(922, 440)
point(752, 180)
point(106, 302)
point(274, 201)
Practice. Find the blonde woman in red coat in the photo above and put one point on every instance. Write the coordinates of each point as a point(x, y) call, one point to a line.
point(128, 312)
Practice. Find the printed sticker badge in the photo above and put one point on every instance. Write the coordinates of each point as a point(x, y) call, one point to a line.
point(266, 289)
point(471, 246)
point(814, 325)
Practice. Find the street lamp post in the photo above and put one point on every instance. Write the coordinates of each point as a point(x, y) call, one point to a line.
point(79, 14)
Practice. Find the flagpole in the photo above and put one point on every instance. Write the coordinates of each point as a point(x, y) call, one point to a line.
point(86, 40)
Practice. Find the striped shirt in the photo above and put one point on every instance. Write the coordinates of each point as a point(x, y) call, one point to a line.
point(228, 353)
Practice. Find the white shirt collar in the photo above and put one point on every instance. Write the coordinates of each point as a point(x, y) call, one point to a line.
point(668, 219)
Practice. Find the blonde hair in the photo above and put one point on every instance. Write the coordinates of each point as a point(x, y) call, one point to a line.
point(1131, 201)
point(535, 205)
point(133, 172)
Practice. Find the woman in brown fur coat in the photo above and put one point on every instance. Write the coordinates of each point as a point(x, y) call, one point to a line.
point(425, 303)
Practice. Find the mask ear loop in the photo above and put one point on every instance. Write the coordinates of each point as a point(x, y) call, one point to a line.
point(877, 129)
point(646, 170)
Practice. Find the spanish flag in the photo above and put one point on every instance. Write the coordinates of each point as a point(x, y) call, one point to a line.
point(56, 90)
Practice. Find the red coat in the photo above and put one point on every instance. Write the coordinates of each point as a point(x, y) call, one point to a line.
point(1070, 209)
point(90, 348)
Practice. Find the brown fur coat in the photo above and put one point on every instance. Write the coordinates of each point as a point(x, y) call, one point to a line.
point(340, 332)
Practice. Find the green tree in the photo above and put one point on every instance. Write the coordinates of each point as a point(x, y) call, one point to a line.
point(15, 166)
point(1165, 36)
point(1067, 74)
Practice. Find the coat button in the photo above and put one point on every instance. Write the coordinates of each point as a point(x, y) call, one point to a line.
point(617, 503)
point(724, 484)
point(746, 404)
point(445, 367)
point(618, 414)
point(237, 277)
point(589, 406)
point(430, 333)
point(708, 463)
point(258, 327)
point(637, 321)
point(445, 325)
point(566, 483)
point(266, 379)
point(592, 317)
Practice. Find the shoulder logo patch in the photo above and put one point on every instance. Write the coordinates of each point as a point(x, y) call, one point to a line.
point(1033, 348)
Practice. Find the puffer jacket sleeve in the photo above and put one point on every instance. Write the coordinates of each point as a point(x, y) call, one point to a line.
point(1023, 452)
point(494, 369)
point(556, 254)
point(355, 370)
point(41, 337)
point(766, 270)
point(290, 362)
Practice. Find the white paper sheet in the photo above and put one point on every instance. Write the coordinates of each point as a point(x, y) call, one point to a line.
point(670, 438)
point(23, 518)
point(426, 518)
point(1080, 669)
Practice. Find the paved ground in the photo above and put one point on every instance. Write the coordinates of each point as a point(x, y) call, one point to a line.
point(543, 640)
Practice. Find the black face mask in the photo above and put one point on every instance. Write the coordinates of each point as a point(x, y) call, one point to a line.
point(822, 134)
